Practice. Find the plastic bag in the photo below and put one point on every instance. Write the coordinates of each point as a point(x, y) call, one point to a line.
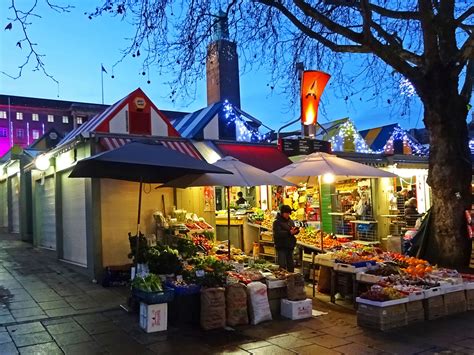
point(258, 301)
point(213, 308)
point(236, 304)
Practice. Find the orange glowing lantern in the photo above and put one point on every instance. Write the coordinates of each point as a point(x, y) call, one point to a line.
point(312, 87)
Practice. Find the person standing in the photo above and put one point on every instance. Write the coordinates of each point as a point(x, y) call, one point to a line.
point(284, 232)
point(241, 200)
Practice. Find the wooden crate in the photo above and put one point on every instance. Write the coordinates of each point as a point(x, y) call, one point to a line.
point(434, 307)
point(455, 302)
point(381, 318)
point(415, 312)
point(470, 300)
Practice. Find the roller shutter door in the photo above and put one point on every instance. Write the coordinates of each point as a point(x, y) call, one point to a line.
point(73, 204)
point(46, 213)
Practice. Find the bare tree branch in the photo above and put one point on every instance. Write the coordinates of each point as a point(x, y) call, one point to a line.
point(401, 15)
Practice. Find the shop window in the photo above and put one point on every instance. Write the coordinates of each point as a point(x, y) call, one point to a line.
point(65, 119)
point(35, 134)
point(35, 117)
point(3, 115)
point(50, 118)
point(19, 116)
point(3, 132)
point(20, 133)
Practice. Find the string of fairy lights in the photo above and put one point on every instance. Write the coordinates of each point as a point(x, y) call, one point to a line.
point(243, 132)
point(349, 139)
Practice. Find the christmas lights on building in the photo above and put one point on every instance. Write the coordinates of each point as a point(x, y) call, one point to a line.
point(349, 140)
point(243, 133)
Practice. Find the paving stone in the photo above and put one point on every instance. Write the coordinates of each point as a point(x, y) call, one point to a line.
point(272, 350)
point(255, 345)
point(31, 318)
point(342, 331)
point(41, 349)
point(58, 321)
point(316, 349)
point(306, 333)
point(89, 348)
point(232, 350)
point(27, 312)
point(110, 337)
point(61, 312)
point(22, 304)
point(5, 338)
point(31, 339)
point(100, 327)
point(328, 341)
point(53, 304)
point(70, 338)
point(288, 342)
point(184, 346)
point(46, 297)
point(63, 328)
point(8, 349)
point(28, 328)
point(359, 349)
point(90, 318)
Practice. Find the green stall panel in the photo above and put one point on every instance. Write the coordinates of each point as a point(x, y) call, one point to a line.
point(326, 208)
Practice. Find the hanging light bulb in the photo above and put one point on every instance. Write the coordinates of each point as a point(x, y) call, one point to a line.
point(329, 178)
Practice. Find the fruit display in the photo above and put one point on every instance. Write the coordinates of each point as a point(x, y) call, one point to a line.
point(252, 274)
point(382, 294)
point(163, 260)
point(149, 283)
point(234, 277)
point(280, 274)
point(312, 236)
point(407, 284)
point(385, 269)
point(203, 243)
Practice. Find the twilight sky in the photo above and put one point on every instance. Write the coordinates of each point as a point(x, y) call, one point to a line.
point(75, 47)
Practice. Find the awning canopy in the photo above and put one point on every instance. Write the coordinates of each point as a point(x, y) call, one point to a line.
point(265, 157)
point(179, 145)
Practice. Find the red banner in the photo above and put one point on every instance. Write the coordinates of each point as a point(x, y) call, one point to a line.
point(312, 87)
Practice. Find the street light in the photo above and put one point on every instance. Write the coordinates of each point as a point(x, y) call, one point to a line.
point(42, 162)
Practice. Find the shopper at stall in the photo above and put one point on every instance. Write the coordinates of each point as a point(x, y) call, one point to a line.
point(284, 232)
point(241, 200)
point(411, 213)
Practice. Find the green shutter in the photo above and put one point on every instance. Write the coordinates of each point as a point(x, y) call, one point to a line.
point(326, 219)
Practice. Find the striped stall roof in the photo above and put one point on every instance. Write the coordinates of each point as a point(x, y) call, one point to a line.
point(377, 137)
point(192, 125)
point(181, 146)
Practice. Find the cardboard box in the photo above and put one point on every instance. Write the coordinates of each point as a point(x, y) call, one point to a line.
point(153, 317)
point(382, 318)
point(297, 309)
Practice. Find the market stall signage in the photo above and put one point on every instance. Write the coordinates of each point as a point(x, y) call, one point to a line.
point(312, 87)
point(303, 146)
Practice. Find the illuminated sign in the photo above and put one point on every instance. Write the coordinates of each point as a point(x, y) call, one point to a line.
point(312, 87)
point(140, 103)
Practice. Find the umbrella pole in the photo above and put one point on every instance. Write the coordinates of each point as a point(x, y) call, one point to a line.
point(138, 221)
point(321, 214)
point(228, 221)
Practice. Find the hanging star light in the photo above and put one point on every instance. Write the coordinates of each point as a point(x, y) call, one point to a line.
point(243, 132)
point(348, 139)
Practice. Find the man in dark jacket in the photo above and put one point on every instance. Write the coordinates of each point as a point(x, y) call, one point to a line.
point(284, 232)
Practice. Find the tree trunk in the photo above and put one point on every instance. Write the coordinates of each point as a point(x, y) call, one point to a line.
point(450, 170)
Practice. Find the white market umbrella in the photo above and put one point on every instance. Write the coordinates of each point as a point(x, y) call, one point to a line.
point(324, 164)
point(320, 164)
point(242, 175)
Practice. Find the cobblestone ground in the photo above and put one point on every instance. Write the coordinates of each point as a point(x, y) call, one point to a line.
point(47, 308)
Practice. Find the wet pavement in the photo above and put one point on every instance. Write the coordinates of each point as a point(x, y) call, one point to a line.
point(48, 308)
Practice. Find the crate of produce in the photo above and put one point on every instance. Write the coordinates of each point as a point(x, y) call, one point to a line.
point(266, 236)
point(183, 289)
point(368, 278)
point(416, 296)
point(324, 260)
point(384, 304)
point(275, 283)
point(381, 318)
point(470, 299)
point(164, 296)
point(269, 250)
point(415, 311)
point(449, 288)
point(433, 292)
point(353, 268)
point(434, 307)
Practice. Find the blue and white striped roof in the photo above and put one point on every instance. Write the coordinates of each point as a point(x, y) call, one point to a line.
point(192, 125)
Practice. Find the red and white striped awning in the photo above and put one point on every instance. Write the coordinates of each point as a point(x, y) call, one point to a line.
point(184, 147)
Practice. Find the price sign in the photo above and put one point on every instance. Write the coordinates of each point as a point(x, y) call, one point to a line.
point(304, 146)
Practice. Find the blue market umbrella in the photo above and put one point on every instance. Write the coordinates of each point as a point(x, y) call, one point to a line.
point(143, 162)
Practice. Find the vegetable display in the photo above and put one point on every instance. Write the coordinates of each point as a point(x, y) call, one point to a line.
point(149, 283)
